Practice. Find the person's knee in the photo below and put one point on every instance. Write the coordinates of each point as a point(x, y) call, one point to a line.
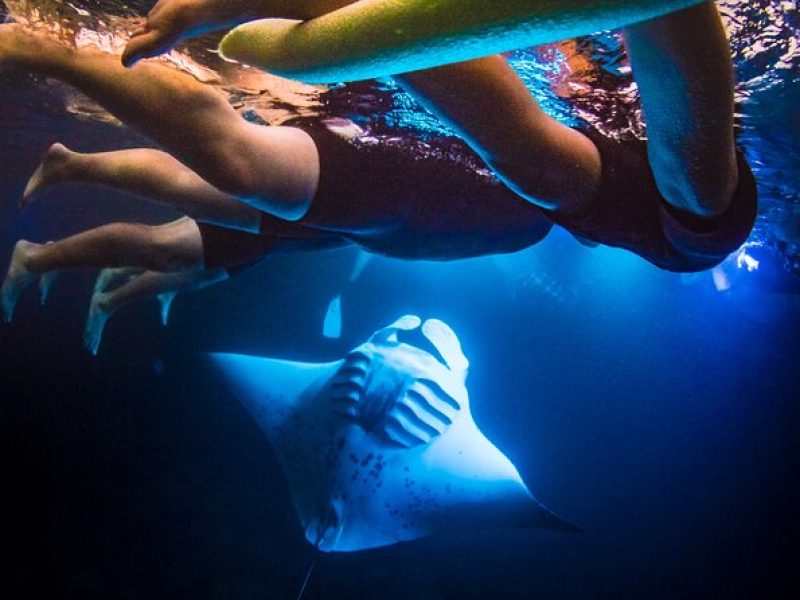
point(240, 177)
point(227, 163)
point(700, 184)
point(273, 170)
point(175, 247)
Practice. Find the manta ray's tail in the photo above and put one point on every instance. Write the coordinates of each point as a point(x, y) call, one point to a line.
point(522, 511)
point(547, 519)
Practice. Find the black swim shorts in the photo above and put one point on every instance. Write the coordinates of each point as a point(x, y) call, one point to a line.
point(628, 212)
point(236, 250)
point(232, 249)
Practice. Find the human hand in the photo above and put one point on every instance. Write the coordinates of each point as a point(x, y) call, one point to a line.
point(170, 22)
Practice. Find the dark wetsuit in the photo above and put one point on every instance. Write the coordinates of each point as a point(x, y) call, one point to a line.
point(629, 212)
point(399, 198)
point(408, 200)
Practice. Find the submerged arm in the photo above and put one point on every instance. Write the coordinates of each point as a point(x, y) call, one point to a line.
point(373, 38)
point(171, 21)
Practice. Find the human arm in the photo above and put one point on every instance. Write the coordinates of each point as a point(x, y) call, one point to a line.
point(172, 21)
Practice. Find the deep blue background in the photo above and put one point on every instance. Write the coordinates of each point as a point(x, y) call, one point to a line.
point(660, 415)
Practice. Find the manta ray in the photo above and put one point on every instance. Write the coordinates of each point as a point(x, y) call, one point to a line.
point(381, 447)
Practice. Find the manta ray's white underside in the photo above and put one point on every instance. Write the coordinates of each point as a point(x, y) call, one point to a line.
point(381, 447)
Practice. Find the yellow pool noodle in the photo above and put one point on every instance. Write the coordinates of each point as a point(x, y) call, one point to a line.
point(374, 38)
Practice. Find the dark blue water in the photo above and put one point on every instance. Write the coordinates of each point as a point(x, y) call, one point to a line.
point(661, 416)
point(659, 413)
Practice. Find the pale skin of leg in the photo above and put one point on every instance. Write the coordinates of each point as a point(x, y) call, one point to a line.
point(686, 84)
point(272, 169)
point(175, 246)
point(126, 249)
point(146, 285)
point(148, 173)
point(543, 161)
point(681, 62)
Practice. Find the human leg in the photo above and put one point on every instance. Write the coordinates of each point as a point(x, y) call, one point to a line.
point(274, 169)
point(682, 66)
point(169, 21)
point(149, 173)
point(173, 247)
point(112, 277)
point(149, 284)
point(544, 161)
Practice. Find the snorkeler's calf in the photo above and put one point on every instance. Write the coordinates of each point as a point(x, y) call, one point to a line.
point(148, 173)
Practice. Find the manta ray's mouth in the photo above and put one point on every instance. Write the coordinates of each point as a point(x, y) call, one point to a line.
point(417, 339)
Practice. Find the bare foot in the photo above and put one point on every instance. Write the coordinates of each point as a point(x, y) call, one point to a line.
point(165, 303)
point(18, 278)
point(46, 284)
point(96, 321)
point(169, 22)
point(53, 169)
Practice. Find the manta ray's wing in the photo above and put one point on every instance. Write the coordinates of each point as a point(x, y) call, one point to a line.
point(271, 389)
point(289, 400)
point(468, 483)
point(455, 480)
point(382, 447)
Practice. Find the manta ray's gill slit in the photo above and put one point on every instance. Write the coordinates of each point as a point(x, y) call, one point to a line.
point(441, 410)
point(348, 385)
point(398, 433)
point(346, 407)
point(350, 380)
point(351, 371)
point(358, 358)
point(440, 393)
point(424, 419)
point(406, 415)
point(347, 390)
point(356, 362)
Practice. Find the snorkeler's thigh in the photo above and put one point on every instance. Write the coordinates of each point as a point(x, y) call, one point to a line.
point(273, 169)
